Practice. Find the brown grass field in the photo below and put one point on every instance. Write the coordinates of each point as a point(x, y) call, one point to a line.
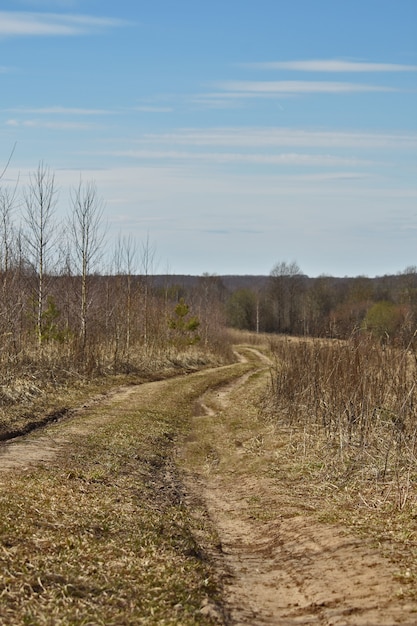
point(219, 496)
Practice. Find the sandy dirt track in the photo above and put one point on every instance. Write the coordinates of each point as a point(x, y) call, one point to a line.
point(282, 566)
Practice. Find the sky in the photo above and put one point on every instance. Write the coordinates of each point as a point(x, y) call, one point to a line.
point(232, 134)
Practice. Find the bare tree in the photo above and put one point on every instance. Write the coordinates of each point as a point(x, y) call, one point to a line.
point(7, 206)
point(86, 227)
point(123, 294)
point(6, 167)
point(210, 293)
point(41, 233)
point(147, 267)
point(129, 251)
point(10, 296)
point(285, 287)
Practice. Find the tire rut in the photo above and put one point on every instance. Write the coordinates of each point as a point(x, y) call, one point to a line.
point(44, 441)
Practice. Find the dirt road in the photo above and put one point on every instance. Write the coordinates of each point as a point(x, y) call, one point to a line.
point(279, 561)
point(282, 565)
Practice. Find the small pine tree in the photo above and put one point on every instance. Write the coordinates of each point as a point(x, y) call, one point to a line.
point(185, 327)
point(49, 328)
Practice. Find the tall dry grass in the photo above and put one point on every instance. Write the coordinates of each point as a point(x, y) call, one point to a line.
point(359, 399)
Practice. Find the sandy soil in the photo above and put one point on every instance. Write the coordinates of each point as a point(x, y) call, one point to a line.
point(294, 571)
point(281, 565)
point(278, 563)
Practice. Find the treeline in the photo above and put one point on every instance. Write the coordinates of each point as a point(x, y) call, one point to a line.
point(291, 303)
point(70, 304)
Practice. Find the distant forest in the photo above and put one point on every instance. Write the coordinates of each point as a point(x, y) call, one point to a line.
point(289, 302)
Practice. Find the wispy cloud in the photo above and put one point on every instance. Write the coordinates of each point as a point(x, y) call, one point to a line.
point(48, 125)
point(80, 112)
point(219, 100)
point(283, 137)
point(21, 23)
point(290, 159)
point(332, 65)
point(59, 110)
point(241, 88)
point(153, 109)
point(56, 4)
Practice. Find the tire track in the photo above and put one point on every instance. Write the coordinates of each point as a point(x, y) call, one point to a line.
point(280, 566)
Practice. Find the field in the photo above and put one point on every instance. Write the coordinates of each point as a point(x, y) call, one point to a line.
point(220, 496)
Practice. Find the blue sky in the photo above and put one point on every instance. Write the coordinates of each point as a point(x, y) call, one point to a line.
point(234, 134)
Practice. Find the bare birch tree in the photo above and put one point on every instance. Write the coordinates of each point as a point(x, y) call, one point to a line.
point(41, 233)
point(10, 295)
point(86, 227)
point(129, 253)
point(125, 261)
point(147, 265)
point(7, 206)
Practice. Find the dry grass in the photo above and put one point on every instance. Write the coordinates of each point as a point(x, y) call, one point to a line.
point(349, 414)
point(245, 337)
point(103, 535)
point(39, 395)
point(362, 396)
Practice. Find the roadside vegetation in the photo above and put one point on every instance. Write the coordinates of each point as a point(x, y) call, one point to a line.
point(78, 317)
point(77, 308)
point(350, 411)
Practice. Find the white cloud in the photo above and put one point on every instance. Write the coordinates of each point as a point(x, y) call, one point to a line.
point(58, 110)
point(334, 65)
point(243, 88)
point(48, 125)
point(242, 158)
point(57, 4)
point(227, 100)
point(283, 137)
point(153, 109)
point(15, 23)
